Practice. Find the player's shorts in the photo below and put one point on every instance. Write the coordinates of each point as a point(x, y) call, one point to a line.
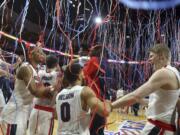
point(154, 127)
point(41, 121)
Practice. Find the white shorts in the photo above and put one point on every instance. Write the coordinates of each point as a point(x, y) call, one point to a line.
point(14, 119)
point(151, 129)
point(13, 129)
point(41, 121)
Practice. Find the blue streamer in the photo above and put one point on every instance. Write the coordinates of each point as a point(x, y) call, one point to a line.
point(149, 4)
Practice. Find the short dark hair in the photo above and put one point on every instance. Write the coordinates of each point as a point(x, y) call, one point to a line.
point(51, 61)
point(161, 49)
point(71, 73)
point(96, 51)
point(84, 49)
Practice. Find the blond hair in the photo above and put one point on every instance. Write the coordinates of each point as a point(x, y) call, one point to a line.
point(161, 49)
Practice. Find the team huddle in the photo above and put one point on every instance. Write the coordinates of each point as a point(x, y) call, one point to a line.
point(44, 93)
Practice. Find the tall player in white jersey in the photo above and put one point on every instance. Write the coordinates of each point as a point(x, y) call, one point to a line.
point(4, 72)
point(163, 88)
point(74, 102)
point(15, 114)
point(41, 118)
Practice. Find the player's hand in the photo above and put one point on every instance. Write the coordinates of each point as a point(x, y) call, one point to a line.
point(51, 88)
point(49, 92)
point(58, 85)
point(38, 44)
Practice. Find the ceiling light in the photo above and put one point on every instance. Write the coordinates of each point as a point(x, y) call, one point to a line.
point(98, 20)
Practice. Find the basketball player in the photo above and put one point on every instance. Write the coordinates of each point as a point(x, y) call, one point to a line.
point(5, 76)
point(163, 88)
point(74, 102)
point(41, 117)
point(16, 112)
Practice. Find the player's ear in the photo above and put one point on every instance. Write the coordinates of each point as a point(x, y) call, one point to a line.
point(29, 55)
point(80, 76)
point(161, 57)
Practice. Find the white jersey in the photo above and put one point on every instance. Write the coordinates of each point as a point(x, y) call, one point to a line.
point(47, 78)
point(41, 117)
point(20, 100)
point(162, 103)
point(83, 60)
point(72, 119)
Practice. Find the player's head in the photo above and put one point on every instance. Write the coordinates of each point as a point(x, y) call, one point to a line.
point(84, 50)
point(51, 61)
point(72, 74)
point(159, 54)
point(98, 50)
point(95, 51)
point(37, 55)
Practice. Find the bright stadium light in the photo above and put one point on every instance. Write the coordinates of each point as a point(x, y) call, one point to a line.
point(98, 20)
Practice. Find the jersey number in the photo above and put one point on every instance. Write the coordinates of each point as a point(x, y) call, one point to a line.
point(65, 112)
point(47, 84)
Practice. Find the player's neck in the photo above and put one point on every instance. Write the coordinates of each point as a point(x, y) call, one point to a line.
point(78, 82)
point(161, 66)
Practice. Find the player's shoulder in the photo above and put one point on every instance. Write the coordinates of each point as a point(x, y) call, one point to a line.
point(87, 92)
point(24, 67)
point(24, 70)
point(162, 74)
point(166, 71)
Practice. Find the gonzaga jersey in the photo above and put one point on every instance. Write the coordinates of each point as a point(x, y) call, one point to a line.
point(47, 78)
point(72, 119)
point(162, 103)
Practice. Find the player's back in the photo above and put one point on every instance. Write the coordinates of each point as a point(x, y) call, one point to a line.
point(72, 119)
point(20, 101)
point(21, 94)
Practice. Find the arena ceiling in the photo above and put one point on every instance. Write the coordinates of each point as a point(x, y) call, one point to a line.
point(126, 32)
point(73, 14)
point(40, 13)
